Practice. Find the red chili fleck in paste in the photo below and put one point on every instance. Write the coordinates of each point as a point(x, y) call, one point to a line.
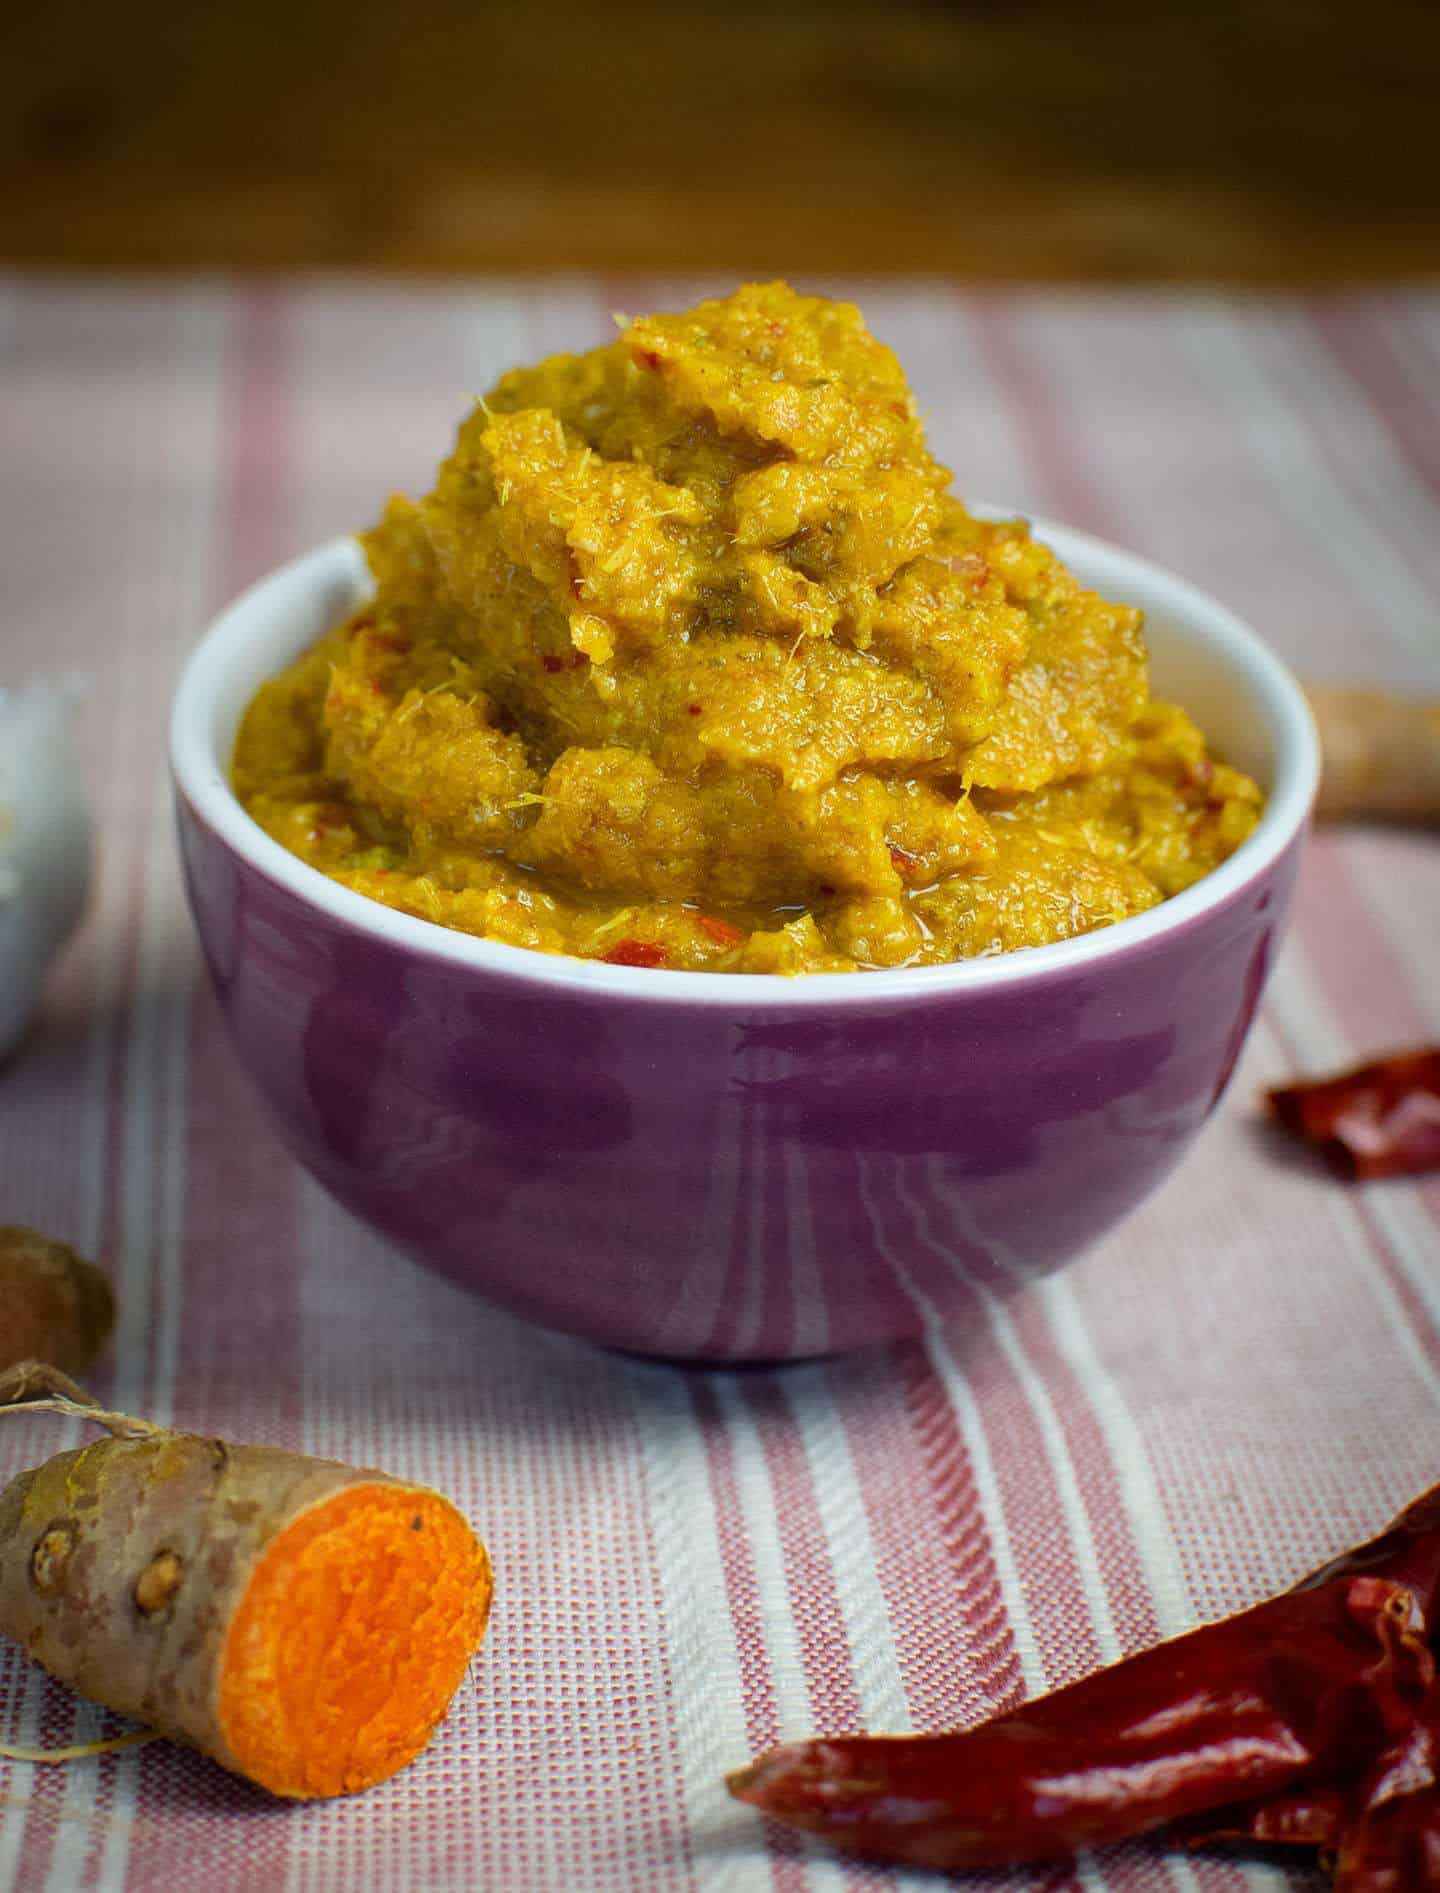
point(721, 931)
point(635, 953)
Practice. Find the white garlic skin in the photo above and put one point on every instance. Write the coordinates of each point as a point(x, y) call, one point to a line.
point(45, 845)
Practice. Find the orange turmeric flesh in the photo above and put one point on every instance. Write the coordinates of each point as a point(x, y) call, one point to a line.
point(350, 1641)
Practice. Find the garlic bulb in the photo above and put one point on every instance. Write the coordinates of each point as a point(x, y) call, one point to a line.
point(44, 843)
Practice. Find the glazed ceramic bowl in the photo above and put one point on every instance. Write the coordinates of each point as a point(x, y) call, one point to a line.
point(736, 1168)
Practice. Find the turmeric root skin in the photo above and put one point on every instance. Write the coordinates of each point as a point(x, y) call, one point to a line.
point(1381, 756)
point(304, 1623)
point(54, 1306)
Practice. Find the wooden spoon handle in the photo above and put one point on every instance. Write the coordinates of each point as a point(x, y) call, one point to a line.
point(1380, 755)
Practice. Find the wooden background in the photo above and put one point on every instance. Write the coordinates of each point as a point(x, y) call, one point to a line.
point(1265, 141)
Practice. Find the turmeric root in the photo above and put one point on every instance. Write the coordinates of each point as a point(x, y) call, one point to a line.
point(303, 1623)
point(53, 1306)
point(1380, 756)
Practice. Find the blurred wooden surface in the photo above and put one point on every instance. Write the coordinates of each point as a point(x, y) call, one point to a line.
point(1266, 141)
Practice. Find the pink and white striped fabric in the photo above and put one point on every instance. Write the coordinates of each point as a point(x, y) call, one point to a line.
point(693, 1566)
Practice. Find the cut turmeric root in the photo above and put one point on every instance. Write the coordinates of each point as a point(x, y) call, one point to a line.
point(303, 1623)
point(54, 1306)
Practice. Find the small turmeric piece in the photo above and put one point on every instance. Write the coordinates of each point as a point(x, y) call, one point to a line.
point(304, 1623)
point(1380, 755)
point(54, 1306)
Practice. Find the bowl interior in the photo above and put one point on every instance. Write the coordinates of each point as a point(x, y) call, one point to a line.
point(1188, 667)
point(263, 631)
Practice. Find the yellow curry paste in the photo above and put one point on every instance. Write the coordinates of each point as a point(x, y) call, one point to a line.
point(692, 659)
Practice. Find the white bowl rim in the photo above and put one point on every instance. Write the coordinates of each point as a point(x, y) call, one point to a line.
point(201, 775)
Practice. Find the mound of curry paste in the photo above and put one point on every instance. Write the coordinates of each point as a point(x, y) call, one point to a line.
point(691, 659)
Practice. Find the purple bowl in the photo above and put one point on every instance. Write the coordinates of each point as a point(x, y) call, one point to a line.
point(736, 1168)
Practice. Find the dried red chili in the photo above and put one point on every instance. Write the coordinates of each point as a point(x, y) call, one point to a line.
point(635, 953)
point(1379, 1120)
point(1312, 1719)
